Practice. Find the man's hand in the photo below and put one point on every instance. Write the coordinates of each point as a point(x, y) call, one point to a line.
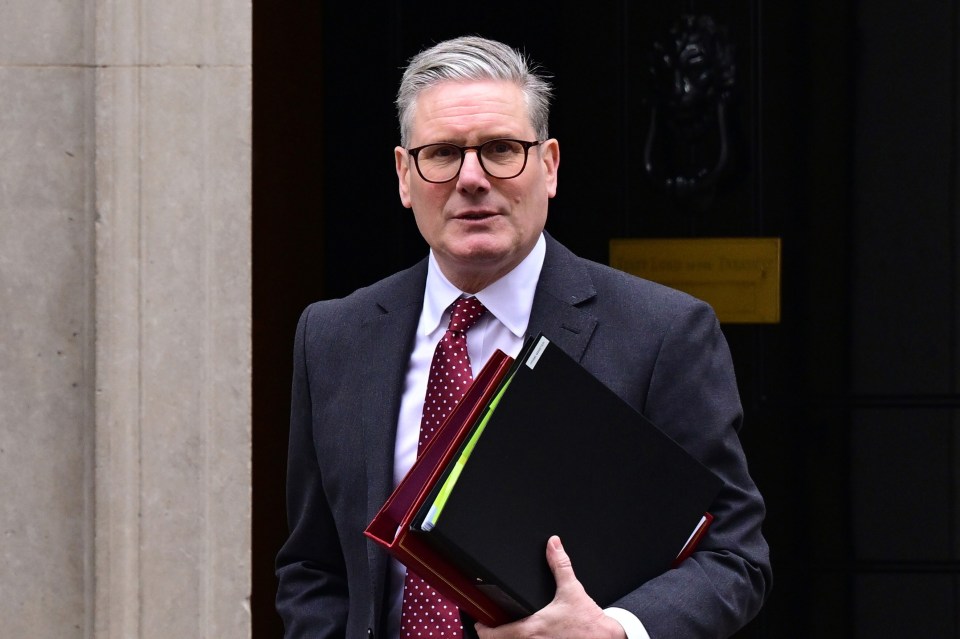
point(571, 615)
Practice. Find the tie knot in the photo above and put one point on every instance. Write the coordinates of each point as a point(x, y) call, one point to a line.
point(466, 311)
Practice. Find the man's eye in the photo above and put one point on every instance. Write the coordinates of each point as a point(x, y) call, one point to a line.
point(441, 152)
point(502, 149)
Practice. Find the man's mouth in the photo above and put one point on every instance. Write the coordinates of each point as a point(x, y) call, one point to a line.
point(476, 215)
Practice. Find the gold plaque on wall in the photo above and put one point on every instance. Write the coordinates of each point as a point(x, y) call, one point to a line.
point(738, 277)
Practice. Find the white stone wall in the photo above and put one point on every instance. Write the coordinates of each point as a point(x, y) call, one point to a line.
point(125, 330)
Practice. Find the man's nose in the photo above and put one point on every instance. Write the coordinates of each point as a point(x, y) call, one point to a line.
point(472, 174)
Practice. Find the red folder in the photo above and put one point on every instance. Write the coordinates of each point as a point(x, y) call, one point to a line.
point(391, 526)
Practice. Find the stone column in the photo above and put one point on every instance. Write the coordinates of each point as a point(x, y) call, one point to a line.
point(46, 320)
point(125, 345)
point(173, 92)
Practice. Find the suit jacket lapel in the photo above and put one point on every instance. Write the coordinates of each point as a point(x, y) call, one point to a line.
point(386, 339)
point(559, 305)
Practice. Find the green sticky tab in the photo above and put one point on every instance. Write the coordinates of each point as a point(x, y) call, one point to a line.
point(437, 507)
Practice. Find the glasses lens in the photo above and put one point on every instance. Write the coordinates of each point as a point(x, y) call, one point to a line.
point(503, 158)
point(439, 162)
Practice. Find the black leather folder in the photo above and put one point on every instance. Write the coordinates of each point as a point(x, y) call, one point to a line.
point(561, 454)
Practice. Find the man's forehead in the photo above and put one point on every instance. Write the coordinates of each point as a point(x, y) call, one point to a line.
point(459, 108)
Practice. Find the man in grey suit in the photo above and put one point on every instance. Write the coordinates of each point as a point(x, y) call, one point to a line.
point(478, 168)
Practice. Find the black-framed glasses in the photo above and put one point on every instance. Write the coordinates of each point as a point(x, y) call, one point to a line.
point(501, 158)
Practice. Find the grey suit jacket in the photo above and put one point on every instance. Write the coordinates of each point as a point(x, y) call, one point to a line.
point(659, 349)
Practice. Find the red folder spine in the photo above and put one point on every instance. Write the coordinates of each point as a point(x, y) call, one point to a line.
point(391, 526)
point(695, 538)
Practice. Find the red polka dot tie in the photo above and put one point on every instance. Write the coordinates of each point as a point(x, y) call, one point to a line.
point(426, 614)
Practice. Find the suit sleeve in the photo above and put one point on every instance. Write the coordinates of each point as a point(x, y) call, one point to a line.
point(312, 589)
point(693, 396)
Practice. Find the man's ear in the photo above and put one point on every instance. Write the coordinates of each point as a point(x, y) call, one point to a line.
point(402, 159)
point(550, 159)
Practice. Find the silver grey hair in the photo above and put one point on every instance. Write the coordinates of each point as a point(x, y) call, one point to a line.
point(473, 58)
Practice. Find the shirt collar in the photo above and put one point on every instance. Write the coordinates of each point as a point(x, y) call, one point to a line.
point(509, 299)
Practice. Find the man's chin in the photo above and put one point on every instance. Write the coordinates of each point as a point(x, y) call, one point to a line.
point(482, 253)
